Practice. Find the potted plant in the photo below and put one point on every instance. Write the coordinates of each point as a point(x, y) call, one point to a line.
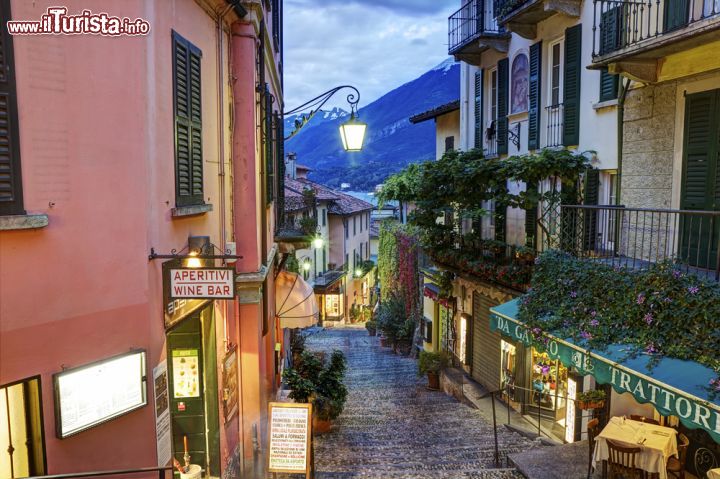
point(594, 399)
point(404, 337)
point(431, 364)
point(371, 327)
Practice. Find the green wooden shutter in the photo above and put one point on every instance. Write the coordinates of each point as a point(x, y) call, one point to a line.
point(11, 200)
point(591, 197)
point(187, 91)
point(608, 85)
point(279, 168)
point(500, 217)
point(269, 154)
point(571, 85)
point(531, 216)
point(675, 15)
point(610, 30)
point(478, 109)
point(502, 106)
point(534, 96)
point(700, 188)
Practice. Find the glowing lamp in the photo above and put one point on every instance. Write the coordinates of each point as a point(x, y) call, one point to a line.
point(193, 261)
point(318, 243)
point(358, 272)
point(352, 133)
point(306, 265)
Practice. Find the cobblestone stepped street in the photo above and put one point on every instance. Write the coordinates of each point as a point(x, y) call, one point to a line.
point(393, 427)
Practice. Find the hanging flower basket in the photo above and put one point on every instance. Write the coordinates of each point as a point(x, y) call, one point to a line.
point(583, 405)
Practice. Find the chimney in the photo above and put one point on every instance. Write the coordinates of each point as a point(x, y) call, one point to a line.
point(291, 169)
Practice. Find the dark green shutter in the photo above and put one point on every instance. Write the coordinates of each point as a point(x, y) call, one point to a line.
point(478, 109)
point(608, 85)
point(531, 216)
point(591, 197)
point(11, 201)
point(279, 168)
point(187, 92)
point(701, 178)
point(534, 96)
point(571, 85)
point(611, 30)
point(676, 14)
point(500, 216)
point(269, 154)
point(700, 182)
point(502, 106)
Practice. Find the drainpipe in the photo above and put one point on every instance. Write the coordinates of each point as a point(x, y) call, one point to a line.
point(624, 86)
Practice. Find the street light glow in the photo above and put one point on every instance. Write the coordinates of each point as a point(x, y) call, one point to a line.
point(318, 242)
point(352, 133)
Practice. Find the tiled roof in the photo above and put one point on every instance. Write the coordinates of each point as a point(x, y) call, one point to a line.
point(339, 203)
point(303, 167)
point(436, 112)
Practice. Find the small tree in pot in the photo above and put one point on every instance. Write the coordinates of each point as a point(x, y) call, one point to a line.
point(431, 364)
point(371, 327)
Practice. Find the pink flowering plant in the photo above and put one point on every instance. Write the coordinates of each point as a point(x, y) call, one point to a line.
point(661, 311)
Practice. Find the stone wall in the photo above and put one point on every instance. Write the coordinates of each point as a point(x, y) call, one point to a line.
point(649, 132)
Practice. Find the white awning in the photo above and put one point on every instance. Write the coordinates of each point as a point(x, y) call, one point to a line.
point(295, 303)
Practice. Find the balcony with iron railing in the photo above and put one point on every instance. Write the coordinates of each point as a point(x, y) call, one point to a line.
point(637, 238)
point(295, 233)
point(651, 29)
point(473, 29)
point(522, 16)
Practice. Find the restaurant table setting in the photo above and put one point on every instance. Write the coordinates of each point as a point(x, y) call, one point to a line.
point(657, 443)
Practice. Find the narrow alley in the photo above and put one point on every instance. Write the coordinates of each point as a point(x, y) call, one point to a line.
point(394, 427)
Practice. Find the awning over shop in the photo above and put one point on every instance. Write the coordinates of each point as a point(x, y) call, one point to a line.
point(674, 387)
point(432, 291)
point(295, 303)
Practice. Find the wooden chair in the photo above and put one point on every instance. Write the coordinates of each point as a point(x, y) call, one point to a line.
point(676, 465)
point(621, 462)
point(593, 428)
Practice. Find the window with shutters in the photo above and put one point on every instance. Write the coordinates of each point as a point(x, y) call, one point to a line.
point(449, 143)
point(354, 225)
point(478, 110)
point(269, 143)
point(534, 95)
point(554, 107)
point(572, 68)
point(502, 105)
point(608, 85)
point(188, 122)
point(11, 199)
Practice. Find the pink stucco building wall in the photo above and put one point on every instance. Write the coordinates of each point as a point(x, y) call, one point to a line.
point(96, 127)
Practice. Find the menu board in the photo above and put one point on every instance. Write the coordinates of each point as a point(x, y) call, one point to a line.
point(290, 435)
point(186, 373)
point(162, 415)
point(230, 385)
point(89, 395)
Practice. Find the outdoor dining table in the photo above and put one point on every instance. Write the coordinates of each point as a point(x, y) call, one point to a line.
point(713, 473)
point(657, 443)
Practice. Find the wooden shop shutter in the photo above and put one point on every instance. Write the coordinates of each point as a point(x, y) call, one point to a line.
point(700, 179)
point(478, 109)
point(590, 217)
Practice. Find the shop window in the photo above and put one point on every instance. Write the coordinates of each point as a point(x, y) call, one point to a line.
point(22, 443)
point(428, 331)
point(333, 306)
point(508, 362)
point(549, 380)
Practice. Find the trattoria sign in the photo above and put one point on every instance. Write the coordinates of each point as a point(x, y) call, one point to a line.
point(693, 412)
point(202, 283)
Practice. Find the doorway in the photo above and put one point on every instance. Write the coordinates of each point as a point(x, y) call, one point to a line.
point(194, 407)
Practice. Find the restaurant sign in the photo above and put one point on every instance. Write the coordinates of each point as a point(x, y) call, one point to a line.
point(693, 412)
point(290, 435)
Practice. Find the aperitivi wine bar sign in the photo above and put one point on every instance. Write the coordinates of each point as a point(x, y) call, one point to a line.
point(202, 283)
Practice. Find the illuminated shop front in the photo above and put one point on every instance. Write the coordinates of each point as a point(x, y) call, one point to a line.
point(330, 294)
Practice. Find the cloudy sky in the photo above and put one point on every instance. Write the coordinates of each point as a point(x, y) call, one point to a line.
point(375, 45)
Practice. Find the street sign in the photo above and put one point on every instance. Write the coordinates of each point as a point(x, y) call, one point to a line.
point(202, 283)
point(290, 435)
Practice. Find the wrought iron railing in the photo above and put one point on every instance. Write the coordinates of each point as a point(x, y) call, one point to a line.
point(503, 8)
point(297, 227)
point(623, 23)
point(638, 237)
point(472, 20)
point(554, 125)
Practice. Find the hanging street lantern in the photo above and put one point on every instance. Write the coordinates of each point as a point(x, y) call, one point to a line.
point(352, 133)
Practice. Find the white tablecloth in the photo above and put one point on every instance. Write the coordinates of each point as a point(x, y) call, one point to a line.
point(658, 443)
point(713, 474)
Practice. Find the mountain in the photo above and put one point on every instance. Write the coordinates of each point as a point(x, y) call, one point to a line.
point(391, 141)
point(321, 116)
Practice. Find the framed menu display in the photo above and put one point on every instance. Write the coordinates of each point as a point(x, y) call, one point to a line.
point(186, 373)
point(290, 435)
point(90, 395)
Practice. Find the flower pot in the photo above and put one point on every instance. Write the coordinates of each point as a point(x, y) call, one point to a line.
point(384, 342)
point(321, 426)
point(433, 380)
point(372, 332)
point(583, 405)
